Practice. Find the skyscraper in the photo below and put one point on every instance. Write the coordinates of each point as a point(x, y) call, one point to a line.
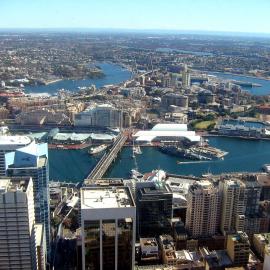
point(240, 206)
point(233, 205)
point(202, 209)
point(108, 220)
point(154, 208)
point(32, 160)
point(17, 220)
point(185, 77)
point(9, 144)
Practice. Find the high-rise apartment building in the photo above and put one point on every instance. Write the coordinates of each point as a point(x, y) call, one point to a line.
point(203, 203)
point(238, 248)
point(9, 144)
point(233, 205)
point(32, 160)
point(186, 80)
point(154, 202)
point(240, 206)
point(17, 220)
point(108, 220)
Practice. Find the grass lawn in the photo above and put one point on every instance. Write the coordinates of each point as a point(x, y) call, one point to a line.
point(204, 124)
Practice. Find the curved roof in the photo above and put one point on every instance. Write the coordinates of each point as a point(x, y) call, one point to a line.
point(150, 135)
point(170, 127)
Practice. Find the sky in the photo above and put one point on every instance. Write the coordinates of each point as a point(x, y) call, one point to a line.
point(192, 15)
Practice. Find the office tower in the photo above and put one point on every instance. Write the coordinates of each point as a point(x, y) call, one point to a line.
point(186, 77)
point(202, 209)
point(9, 144)
point(154, 209)
point(238, 248)
point(32, 160)
point(17, 219)
point(108, 220)
point(233, 205)
point(104, 115)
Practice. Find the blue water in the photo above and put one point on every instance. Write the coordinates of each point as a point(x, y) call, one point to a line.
point(114, 75)
point(244, 155)
point(70, 165)
point(259, 91)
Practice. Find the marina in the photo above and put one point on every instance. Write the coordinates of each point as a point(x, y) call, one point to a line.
point(243, 155)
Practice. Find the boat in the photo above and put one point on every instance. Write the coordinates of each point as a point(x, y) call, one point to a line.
point(136, 175)
point(97, 149)
point(137, 150)
point(266, 168)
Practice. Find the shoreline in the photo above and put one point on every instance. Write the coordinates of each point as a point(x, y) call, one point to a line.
point(240, 75)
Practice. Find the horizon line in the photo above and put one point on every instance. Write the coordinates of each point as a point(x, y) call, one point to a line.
point(148, 30)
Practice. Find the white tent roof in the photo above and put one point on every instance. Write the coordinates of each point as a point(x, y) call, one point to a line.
point(172, 127)
point(149, 135)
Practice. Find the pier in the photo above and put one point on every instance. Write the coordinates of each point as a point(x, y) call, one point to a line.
point(106, 160)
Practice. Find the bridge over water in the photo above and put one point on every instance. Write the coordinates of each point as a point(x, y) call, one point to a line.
point(106, 160)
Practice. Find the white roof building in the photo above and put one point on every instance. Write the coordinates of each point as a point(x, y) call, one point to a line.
point(167, 132)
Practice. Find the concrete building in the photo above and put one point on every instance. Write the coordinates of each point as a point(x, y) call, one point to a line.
point(17, 219)
point(41, 247)
point(178, 259)
point(202, 209)
point(238, 248)
point(233, 205)
point(240, 207)
point(186, 77)
point(261, 242)
point(266, 263)
point(154, 208)
point(32, 160)
point(9, 144)
point(104, 115)
point(174, 99)
point(206, 97)
point(108, 220)
point(149, 250)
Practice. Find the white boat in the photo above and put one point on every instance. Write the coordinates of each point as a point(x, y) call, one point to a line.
point(136, 175)
point(137, 150)
point(97, 149)
point(266, 168)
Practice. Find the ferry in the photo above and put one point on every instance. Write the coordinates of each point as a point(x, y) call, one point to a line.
point(98, 149)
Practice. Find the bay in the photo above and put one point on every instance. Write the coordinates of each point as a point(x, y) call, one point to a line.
point(244, 156)
point(114, 74)
point(264, 89)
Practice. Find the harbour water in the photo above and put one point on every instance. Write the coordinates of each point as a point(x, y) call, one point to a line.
point(114, 74)
point(264, 89)
point(244, 155)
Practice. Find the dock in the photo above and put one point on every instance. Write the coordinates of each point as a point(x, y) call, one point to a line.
point(106, 160)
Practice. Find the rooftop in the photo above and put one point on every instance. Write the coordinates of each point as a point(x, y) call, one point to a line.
point(98, 197)
point(14, 140)
point(148, 241)
point(13, 184)
point(168, 127)
point(264, 180)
